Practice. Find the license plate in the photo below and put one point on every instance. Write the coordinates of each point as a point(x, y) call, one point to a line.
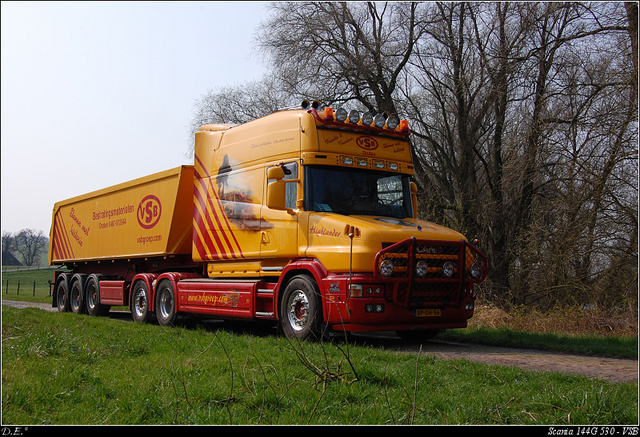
point(428, 313)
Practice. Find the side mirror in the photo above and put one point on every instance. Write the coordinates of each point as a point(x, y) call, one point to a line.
point(276, 194)
point(414, 198)
point(276, 172)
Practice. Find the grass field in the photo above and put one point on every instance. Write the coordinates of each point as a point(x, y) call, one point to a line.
point(31, 285)
point(74, 369)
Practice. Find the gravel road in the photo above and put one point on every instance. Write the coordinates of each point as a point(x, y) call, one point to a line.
point(609, 369)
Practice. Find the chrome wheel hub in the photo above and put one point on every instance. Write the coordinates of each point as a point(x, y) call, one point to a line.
point(140, 302)
point(298, 310)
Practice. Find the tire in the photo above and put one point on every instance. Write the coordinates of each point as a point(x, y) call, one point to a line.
point(76, 295)
point(165, 304)
point(92, 297)
point(140, 300)
point(62, 294)
point(423, 335)
point(301, 309)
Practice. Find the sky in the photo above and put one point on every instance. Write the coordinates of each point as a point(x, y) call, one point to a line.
point(95, 94)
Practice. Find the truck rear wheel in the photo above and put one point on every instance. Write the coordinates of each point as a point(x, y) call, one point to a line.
point(62, 295)
point(92, 297)
point(301, 309)
point(140, 302)
point(76, 298)
point(165, 304)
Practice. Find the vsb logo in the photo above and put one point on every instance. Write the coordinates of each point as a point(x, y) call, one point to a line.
point(149, 212)
point(367, 143)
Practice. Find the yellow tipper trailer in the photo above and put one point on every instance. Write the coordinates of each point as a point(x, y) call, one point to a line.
point(305, 217)
point(150, 216)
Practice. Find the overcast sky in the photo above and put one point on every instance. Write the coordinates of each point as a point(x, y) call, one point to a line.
point(95, 94)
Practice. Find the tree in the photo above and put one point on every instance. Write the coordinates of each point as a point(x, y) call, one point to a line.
point(9, 245)
point(341, 51)
point(231, 105)
point(524, 120)
point(31, 244)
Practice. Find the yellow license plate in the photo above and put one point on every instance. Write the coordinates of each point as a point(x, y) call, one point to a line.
point(428, 313)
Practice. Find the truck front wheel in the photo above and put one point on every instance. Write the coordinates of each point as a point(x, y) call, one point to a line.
point(165, 304)
point(301, 309)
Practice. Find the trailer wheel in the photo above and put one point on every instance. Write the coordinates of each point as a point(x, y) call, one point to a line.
point(140, 302)
point(92, 297)
point(62, 295)
point(165, 304)
point(301, 310)
point(76, 299)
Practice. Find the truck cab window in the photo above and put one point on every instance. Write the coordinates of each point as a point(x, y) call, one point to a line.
point(357, 192)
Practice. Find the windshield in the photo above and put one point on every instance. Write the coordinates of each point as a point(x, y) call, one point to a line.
point(350, 191)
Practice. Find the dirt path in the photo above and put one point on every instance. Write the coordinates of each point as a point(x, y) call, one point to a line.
point(609, 369)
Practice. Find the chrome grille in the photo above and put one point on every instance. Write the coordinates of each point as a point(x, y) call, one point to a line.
point(427, 272)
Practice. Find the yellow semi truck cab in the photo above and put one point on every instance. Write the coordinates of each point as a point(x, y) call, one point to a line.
point(306, 217)
point(328, 196)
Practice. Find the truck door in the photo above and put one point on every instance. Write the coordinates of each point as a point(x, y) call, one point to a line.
point(279, 233)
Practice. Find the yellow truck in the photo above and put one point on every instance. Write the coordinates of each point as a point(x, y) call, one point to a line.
point(305, 217)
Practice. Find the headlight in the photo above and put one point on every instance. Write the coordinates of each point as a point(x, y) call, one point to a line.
point(341, 114)
point(422, 268)
point(393, 122)
point(447, 269)
point(367, 119)
point(379, 120)
point(475, 270)
point(386, 268)
point(354, 117)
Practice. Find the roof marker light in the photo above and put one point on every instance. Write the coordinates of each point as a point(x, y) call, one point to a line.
point(328, 113)
point(346, 160)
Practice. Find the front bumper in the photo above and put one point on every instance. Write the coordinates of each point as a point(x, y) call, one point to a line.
point(430, 286)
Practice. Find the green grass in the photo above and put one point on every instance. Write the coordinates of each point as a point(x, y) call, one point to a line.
point(74, 369)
